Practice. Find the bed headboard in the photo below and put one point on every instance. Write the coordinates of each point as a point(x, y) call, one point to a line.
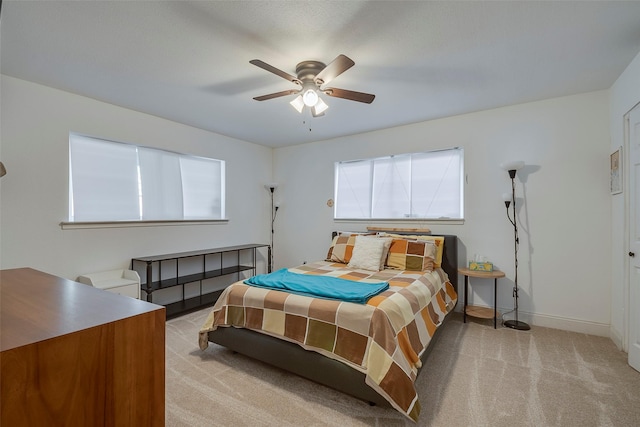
point(449, 256)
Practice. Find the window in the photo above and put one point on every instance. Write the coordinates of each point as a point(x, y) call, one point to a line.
point(113, 181)
point(420, 185)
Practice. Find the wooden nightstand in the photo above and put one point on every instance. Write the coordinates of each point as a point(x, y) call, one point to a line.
point(481, 312)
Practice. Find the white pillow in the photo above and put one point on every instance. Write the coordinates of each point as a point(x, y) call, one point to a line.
point(369, 253)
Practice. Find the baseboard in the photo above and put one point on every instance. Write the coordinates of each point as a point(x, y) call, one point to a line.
point(557, 322)
point(568, 324)
point(616, 338)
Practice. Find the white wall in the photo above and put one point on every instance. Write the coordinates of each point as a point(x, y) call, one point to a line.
point(625, 94)
point(36, 121)
point(565, 267)
point(564, 141)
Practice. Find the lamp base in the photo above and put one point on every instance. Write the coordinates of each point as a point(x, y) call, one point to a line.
point(517, 324)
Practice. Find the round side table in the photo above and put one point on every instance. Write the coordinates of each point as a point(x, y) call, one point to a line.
point(475, 311)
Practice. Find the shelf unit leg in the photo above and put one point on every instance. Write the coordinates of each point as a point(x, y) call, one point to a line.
point(253, 271)
point(149, 281)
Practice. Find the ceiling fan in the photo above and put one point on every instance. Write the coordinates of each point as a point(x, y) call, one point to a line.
point(312, 76)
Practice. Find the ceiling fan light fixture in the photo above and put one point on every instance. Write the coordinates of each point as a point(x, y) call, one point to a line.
point(310, 98)
point(310, 77)
point(298, 103)
point(320, 107)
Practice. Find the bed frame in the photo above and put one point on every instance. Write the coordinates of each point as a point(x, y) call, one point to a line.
point(314, 366)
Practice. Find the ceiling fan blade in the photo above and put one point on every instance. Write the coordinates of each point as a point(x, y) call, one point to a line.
point(276, 95)
point(334, 69)
point(275, 71)
point(350, 94)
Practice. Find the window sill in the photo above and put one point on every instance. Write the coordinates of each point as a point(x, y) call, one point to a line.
point(423, 221)
point(125, 224)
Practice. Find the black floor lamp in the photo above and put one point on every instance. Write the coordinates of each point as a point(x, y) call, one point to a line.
point(274, 210)
point(510, 199)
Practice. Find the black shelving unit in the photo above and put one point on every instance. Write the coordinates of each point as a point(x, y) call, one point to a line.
point(168, 271)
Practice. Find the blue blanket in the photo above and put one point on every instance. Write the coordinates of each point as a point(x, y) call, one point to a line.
point(318, 286)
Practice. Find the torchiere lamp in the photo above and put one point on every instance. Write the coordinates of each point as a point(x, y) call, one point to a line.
point(510, 199)
point(274, 210)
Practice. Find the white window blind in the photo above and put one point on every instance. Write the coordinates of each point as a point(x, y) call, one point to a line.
point(353, 189)
point(104, 181)
point(113, 181)
point(199, 200)
point(420, 185)
point(160, 185)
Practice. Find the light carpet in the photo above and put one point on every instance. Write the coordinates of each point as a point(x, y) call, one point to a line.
point(474, 376)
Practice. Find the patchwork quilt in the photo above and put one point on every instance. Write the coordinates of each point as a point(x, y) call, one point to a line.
point(383, 338)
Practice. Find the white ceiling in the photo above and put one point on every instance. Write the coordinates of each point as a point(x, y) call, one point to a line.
point(188, 61)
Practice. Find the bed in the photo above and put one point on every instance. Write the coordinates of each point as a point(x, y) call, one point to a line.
point(333, 342)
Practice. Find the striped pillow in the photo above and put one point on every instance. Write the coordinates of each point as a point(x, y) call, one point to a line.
point(411, 255)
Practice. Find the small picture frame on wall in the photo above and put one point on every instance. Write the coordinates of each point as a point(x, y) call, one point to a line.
point(616, 171)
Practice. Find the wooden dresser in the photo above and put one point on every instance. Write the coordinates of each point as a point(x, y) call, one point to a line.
point(74, 355)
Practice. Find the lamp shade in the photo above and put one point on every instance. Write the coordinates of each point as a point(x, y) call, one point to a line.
point(320, 108)
point(298, 103)
point(507, 197)
point(512, 166)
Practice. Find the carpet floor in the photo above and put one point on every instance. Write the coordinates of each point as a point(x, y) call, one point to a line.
point(474, 376)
